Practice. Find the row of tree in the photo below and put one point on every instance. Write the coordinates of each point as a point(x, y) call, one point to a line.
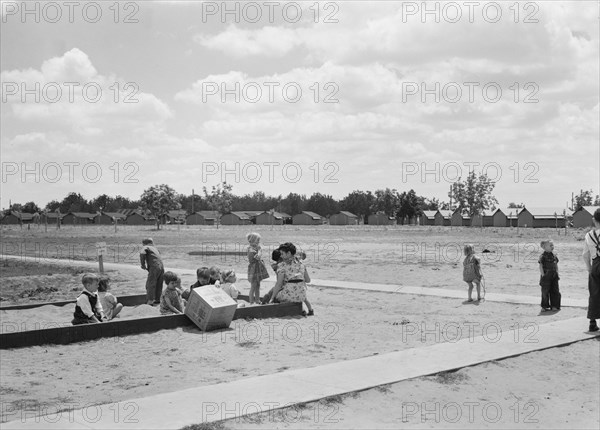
point(473, 195)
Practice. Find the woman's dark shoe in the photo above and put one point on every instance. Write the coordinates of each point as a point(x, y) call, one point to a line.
point(311, 313)
point(593, 326)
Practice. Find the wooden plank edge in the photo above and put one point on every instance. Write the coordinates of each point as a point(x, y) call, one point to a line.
point(116, 328)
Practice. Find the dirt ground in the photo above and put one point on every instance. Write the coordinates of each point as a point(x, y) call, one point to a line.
point(348, 324)
point(403, 255)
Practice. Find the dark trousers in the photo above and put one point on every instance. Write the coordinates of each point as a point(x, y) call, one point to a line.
point(550, 293)
point(154, 284)
point(594, 289)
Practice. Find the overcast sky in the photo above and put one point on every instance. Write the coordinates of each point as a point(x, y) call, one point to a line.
point(331, 97)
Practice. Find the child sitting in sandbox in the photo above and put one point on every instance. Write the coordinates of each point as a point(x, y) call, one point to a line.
point(202, 279)
point(170, 299)
point(88, 308)
point(228, 286)
point(109, 303)
point(215, 276)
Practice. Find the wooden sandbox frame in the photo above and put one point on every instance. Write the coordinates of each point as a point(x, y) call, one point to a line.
point(117, 328)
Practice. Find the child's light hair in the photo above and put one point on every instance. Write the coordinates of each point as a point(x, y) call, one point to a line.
point(148, 241)
point(170, 277)
point(103, 284)
point(545, 242)
point(253, 237)
point(88, 278)
point(229, 276)
point(468, 249)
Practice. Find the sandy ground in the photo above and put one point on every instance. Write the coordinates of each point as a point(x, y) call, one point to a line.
point(555, 388)
point(348, 324)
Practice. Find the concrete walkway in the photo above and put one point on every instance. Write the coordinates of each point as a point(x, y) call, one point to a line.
point(264, 393)
point(388, 288)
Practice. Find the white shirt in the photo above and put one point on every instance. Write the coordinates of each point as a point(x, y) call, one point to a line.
point(231, 290)
point(589, 247)
point(83, 302)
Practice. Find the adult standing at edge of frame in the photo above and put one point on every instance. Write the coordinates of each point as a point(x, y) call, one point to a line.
point(591, 257)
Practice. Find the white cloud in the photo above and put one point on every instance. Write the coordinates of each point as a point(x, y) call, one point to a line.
point(266, 41)
point(68, 92)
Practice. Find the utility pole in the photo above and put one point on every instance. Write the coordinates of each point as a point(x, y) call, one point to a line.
point(192, 200)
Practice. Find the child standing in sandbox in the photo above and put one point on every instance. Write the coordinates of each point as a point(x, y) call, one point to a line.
point(472, 272)
point(170, 299)
point(109, 303)
point(88, 308)
point(257, 271)
point(152, 262)
point(548, 263)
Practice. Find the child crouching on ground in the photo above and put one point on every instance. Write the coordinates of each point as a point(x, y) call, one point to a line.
point(88, 308)
point(109, 303)
point(170, 299)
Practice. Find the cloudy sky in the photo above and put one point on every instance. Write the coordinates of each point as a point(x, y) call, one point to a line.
point(299, 97)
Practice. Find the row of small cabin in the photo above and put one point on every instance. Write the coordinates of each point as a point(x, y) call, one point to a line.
point(136, 217)
point(513, 217)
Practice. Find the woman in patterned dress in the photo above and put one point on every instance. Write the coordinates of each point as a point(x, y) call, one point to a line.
point(292, 277)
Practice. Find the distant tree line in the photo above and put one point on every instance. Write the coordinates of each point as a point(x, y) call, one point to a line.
point(161, 198)
point(472, 196)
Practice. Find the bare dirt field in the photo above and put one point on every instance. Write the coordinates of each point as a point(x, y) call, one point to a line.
point(562, 383)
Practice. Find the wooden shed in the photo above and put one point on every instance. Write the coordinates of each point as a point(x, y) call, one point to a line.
point(511, 215)
point(584, 216)
point(177, 216)
point(381, 219)
point(446, 217)
point(51, 217)
point(459, 219)
point(343, 218)
point(499, 218)
point(432, 218)
point(140, 218)
point(484, 219)
point(268, 218)
point(79, 218)
point(287, 218)
point(202, 218)
point(12, 217)
point(307, 218)
point(542, 217)
point(108, 218)
point(235, 218)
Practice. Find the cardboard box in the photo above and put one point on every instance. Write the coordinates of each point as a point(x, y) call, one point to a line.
point(210, 308)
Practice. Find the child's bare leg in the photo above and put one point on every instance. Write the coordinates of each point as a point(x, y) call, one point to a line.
point(478, 284)
point(307, 303)
point(117, 309)
point(257, 293)
point(251, 294)
point(470, 284)
point(254, 286)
